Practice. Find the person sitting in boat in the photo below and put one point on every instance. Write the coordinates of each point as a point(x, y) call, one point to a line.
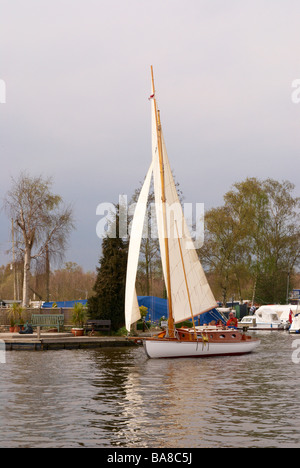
point(233, 321)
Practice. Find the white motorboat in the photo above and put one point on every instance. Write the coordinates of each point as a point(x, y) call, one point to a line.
point(283, 312)
point(263, 319)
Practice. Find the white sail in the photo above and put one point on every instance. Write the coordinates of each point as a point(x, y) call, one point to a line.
point(132, 312)
point(189, 286)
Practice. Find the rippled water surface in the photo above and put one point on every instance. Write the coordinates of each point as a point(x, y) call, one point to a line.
point(119, 398)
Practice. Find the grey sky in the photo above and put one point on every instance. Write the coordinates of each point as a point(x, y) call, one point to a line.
point(77, 74)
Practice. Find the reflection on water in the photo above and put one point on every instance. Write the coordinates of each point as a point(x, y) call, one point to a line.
point(119, 398)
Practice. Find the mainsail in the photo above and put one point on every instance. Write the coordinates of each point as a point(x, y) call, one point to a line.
point(190, 292)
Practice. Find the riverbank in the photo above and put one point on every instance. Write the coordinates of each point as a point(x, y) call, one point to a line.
point(48, 341)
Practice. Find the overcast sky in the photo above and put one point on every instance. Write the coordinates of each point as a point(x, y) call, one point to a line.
point(77, 75)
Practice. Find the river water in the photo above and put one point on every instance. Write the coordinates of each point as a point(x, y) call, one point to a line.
point(119, 398)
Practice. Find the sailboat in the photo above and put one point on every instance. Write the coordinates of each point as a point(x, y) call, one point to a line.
point(188, 291)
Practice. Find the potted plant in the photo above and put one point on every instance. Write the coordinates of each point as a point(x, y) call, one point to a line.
point(16, 319)
point(79, 318)
point(12, 324)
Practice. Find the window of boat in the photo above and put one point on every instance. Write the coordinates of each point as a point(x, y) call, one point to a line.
point(233, 335)
point(222, 336)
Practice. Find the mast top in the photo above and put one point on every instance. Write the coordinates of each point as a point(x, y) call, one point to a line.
point(152, 76)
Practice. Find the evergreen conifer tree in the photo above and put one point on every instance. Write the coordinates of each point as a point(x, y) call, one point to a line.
point(109, 299)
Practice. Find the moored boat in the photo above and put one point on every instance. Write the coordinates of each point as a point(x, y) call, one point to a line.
point(294, 311)
point(264, 320)
point(295, 325)
point(271, 317)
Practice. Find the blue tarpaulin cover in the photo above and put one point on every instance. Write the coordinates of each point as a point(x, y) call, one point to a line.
point(158, 308)
point(212, 315)
point(63, 304)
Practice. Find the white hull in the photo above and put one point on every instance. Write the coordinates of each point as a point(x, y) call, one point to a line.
point(262, 326)
point(156, 349)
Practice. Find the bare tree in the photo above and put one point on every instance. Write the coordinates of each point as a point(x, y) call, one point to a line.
point(43, 221)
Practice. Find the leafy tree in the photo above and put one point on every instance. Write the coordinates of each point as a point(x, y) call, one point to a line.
point(222, 252)
point(248, 203)
point(280, 244)
point(252, 242)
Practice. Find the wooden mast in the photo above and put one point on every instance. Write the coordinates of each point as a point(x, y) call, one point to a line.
point(171, 324)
